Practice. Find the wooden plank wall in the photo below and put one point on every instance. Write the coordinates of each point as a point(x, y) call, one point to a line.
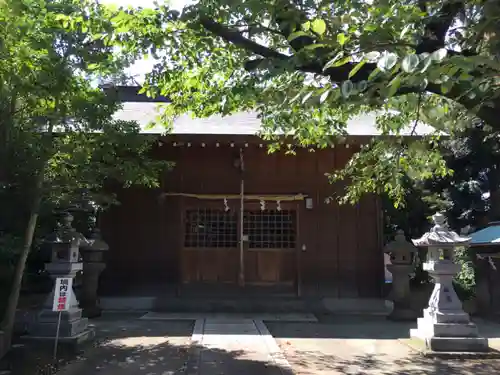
point(342, 258)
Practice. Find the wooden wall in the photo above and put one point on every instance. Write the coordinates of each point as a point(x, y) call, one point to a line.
point(343, 256)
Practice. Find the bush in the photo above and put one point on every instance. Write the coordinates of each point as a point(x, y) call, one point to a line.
point(465, 280)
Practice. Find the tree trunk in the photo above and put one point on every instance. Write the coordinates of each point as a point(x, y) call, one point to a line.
point(10, 312)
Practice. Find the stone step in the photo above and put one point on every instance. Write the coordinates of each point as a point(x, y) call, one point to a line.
point(458, 317)
point(223, 305)
point(250, 305)
point(448, 329)
point(66, 328)
point(458, 344)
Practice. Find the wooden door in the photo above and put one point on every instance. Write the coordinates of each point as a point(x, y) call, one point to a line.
point(271, 246)
point(211, 243)
point(210, 251)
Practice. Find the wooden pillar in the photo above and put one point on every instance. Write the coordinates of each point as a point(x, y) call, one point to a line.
point(241, 274)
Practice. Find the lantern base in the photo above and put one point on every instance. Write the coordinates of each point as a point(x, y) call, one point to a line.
point(68, 341)
point(449, 333)
point(71, 325)
point(452, 344)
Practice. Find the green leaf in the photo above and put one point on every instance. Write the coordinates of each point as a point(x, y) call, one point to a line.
point(394, 85)
point(373, 74)
point(295, 98)
point(426, 63)
point(439, 55)
point(423, 84)
point(296, 35)
point(323, 96)
point(362, 86)
point(318, 26)
point(404, 31)
point(410, 63)
point(484, 86)
point(341, 39)
point(343, 61)
point(306, 97)
point(337, 61)
point(387, 61)
point(372, 56)
point(306, 26)
point(346, 88)
point(314, 46)
point(447, 86)
point(357, 68)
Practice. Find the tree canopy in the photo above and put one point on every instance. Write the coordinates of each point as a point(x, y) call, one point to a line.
point(307, 66)
point(58, 138)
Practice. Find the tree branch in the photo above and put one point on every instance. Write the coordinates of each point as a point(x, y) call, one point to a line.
point(236, 38)
point(436, 29)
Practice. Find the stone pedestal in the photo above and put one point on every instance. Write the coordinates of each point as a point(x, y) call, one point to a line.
point(401, 252)
point(93, 265)
point(400, 292)
point(73, 328)
point(445, 326)
point(90, 283)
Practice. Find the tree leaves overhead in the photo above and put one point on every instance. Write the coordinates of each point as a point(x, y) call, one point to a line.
point(410, 63)
point(59, 143)
point(53, 56)
point(387, 61)
point(318, 26)
point(278, 57)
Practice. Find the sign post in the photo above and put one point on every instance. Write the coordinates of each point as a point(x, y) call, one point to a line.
point(62, 299)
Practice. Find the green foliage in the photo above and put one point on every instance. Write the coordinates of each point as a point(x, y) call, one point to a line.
point(59, 142)
point(308, 68)
point(51, 61)
point(465, 280)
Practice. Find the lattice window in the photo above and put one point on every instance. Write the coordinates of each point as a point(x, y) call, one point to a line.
point(211, 228)
point(270, 229)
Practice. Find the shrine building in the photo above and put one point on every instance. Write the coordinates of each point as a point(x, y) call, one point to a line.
point(231, 216)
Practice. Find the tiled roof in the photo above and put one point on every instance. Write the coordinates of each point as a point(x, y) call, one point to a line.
point(488, 235)
point(243, 123)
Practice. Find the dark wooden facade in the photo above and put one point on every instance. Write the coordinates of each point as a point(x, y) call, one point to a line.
point(328, 248)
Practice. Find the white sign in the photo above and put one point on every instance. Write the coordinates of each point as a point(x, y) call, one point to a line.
point(62, 294)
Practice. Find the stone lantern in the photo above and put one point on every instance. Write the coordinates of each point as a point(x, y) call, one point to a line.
point(93, 265)
point(445, 326)
point(64, 243)
point(401, 253)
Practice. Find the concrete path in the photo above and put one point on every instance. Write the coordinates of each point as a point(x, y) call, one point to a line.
point(360, 345)
point(235, 346)
point(135, 347)
point(337, 345)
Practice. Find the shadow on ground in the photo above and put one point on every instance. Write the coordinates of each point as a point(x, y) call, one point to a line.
point(357, 346)
point(37, 359)
point(309, 363)
point(331, 326)
point(135, 347)
point(163, 348)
